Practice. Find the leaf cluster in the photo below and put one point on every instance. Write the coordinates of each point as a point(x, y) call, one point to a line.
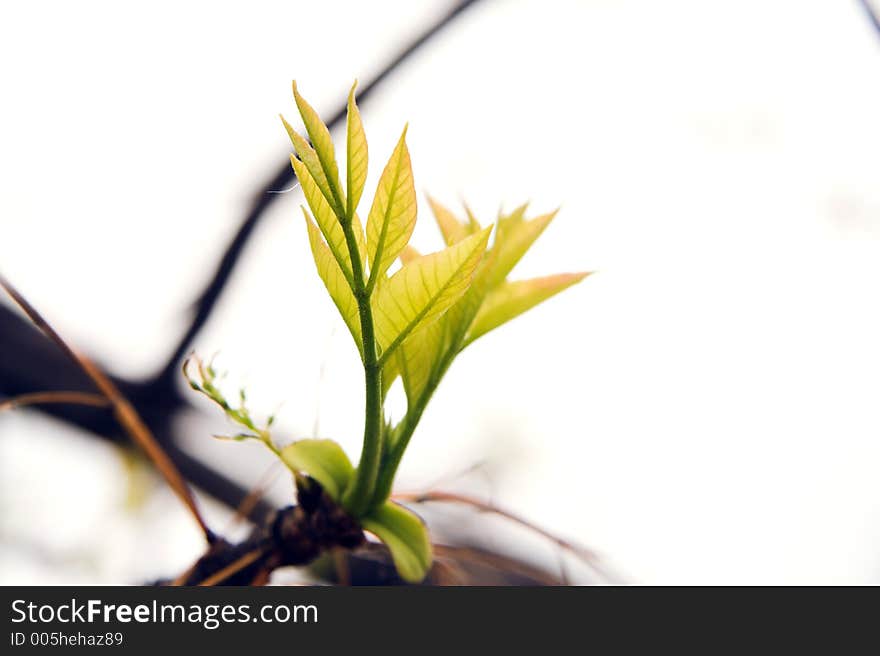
point(409, 324)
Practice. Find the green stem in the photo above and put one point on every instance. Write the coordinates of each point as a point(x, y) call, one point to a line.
point(357, 497)
point(395, 454)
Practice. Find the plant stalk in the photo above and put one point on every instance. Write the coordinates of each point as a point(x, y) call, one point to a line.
point(357, 498)
point(411, 420)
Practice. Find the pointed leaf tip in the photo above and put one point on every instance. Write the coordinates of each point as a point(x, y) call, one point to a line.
point(392, 216)
point(512, 299)
point(325, 154)
point(452, 229)
point(356, 155)
point(515, 237)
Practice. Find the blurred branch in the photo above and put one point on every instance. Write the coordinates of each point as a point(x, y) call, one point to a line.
point(438, 496)
point(41, 398)
point(873, 17)
point(31, 363)
point(284, 177)
point(123, 411)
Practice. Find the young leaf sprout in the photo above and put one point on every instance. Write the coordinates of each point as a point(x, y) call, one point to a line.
point(410, 325)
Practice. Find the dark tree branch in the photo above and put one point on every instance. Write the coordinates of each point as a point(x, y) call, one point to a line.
point(873, 17)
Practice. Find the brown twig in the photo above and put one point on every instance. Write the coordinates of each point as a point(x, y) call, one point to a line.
point(40, 398)
point(185, 575)
point(343, 571)
point(124, 412)
point(871, 14)
point(243, 511)
point(457, 559)
point(233, 568)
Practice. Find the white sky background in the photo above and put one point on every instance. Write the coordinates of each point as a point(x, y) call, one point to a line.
point(703, 409)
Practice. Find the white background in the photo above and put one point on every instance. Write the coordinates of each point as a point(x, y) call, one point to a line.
point(704, 409)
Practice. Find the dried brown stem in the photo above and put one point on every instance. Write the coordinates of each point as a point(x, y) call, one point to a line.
point(243, 511)
point(233, 568)
point(452, 497)
point(40, 398)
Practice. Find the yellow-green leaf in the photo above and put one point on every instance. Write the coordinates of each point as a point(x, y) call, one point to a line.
point(513, 241)
point(360, 238)
point(323, 460)
point(390, 372)
point(334, 281)
point(356, 155)
point(319, 135)
point(417, 359)
point(408, 254)
point(325, 218)
point(406, 537)
point(423, 289)
point(423, 357)
point(473, 224)
point(460, 316)
point(393, 213)
point(507, 221)
point(451, 228)
point(513, 298)
point(309, 157)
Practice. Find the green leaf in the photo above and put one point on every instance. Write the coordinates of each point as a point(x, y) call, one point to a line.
point(408, 254)
point(304, 151)
point(323, 460)
point(513, 241)
point(423, 289)
point(451, 228)
point(334, 281)
point(393, 213)
point(325, 218)
point(359, 237)
point(406, 537)
point(473, 224)
point(417, 359)
point(319, 135)
point(356, 155)
point(424, 357)
point(460, 316)
point(508, 221)
point(390, 372)
point(513, 298)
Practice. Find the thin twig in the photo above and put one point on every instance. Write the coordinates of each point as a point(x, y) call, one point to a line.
point(183, 577)
point(340, 564)
point(125, 413)
point(233, 568)
point(255, 496)
point(452, 497)
point(40, 398)
point(457, 558)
